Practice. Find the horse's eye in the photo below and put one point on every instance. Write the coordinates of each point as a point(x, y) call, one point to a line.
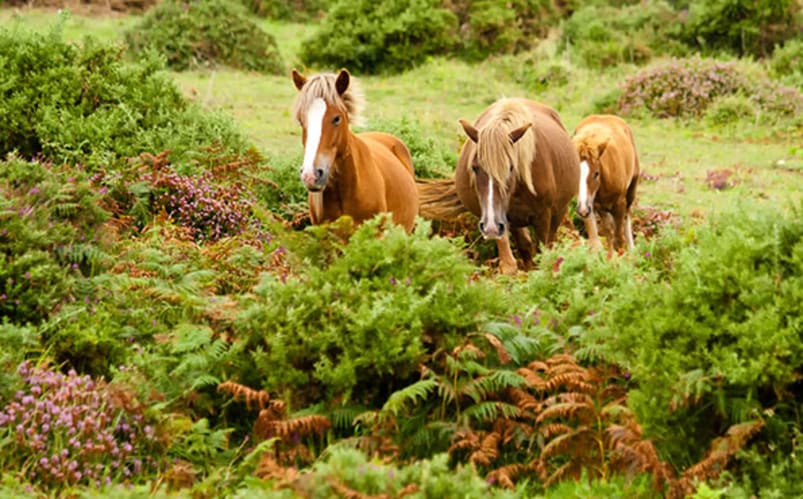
point(475, 169)
point(510, 168)
point(596, 175)
point(336, 120)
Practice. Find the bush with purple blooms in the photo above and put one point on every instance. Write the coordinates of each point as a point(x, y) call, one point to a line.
point(64, 430)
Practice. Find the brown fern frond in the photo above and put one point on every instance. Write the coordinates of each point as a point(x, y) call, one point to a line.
point(565, 410)
point(259, 398)
point(561, 358)
point(263, 424)
point(501, 352)
point(538, 365)
point(506, 476)
point(569, 469)
point(468, 348)
point(465, 440)
point(570, 381)
point(299, 427)
point(270, 469)
point(550, 430)
point(523, 400)
point(532, 378)
point(409, 489)
point(717, 457)
point(565, 367)
point(488, 451)
point(578, 439)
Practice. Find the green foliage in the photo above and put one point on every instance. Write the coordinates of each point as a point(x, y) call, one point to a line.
point(358, 319)
point(84, 104)
point(429, 160)
point(203, 33)
point(742, 27)
point(288, 10)
point(350, 470)
point(374, 37)
point(787, 62)
point(601, 35)
point(489, 27)
point(730, 109)
point(716, 339)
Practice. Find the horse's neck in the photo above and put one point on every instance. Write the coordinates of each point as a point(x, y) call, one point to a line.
point(351, 167)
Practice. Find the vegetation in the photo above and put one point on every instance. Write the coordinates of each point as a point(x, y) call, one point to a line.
point(171, 324)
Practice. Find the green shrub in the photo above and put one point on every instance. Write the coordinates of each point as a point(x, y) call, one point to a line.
point(357, 319)
point(490, 27)
point(84, 104)
point(601, 36)
point(730, 109)
point(742, 27)
point(208, 32)
point(373, 37)
point(787, 62)
point(288, 10)
point(713, 339)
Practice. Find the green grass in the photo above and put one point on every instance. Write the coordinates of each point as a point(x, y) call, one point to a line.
point(441, 91)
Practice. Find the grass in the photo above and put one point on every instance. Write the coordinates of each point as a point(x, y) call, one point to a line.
point(441, 91)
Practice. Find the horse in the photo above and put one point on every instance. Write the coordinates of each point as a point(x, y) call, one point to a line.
point(359, 175)
point(517, 168)
point(609, 173)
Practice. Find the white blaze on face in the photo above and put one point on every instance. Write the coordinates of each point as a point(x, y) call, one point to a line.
point(314, 125)
point(582, 195)
point(489, 208)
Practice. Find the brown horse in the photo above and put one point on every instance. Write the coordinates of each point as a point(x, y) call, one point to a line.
point(609, 173)
point(359, 175)
point(517, 169)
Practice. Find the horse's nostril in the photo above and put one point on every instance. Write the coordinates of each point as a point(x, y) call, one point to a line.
point(501, 228)
point(318, 173)
point(482, 226)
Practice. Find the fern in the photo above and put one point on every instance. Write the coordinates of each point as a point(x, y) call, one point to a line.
point(409, 396)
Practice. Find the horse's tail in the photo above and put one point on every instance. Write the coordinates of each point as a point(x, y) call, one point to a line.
point(438, 199)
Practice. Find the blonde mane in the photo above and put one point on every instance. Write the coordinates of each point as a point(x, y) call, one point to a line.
point(494, 149)
point(322, 86)
point(587, 144)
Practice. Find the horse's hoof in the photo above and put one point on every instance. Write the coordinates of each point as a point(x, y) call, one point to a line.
point(508, 269)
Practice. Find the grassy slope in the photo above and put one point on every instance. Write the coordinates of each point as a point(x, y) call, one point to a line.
point(441, 91)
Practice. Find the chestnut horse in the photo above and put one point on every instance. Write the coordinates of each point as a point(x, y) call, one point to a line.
point(359, 175)
point(609, 173)
point(517, 169)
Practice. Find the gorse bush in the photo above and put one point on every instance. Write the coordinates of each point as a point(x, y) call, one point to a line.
point(65, 430)
point(84, 104)
point(373, 37)
point(742, 27)
point(601, 36)
point(193, 34)
point(358, 319)
point(686, 87)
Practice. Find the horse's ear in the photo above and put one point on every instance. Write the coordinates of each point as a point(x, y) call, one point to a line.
point(470, 131)
point(518, 133)
point(298, 79)
point(342, 82)
point(601, 147)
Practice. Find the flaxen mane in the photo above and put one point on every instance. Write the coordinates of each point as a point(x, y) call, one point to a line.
point(494, 149)
point(322, 85)
point(587, 145)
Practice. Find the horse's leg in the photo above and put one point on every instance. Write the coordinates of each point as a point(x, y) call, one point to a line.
point(631, 198)
point(507, 264)
point(591, 229)
point(629, 231)
point(554, 225)
point(619, 212)
point(543, 229)
point(524, 243)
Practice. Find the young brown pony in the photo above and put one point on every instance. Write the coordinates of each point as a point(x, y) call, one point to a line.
point(517, 169)
point(359, 175)
point(609, 172)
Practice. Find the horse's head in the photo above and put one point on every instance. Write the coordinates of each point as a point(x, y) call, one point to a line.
point(325, 105)
point(590, 149)
point(495, 166)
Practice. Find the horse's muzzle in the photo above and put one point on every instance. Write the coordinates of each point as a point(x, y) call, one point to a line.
point(493, 231)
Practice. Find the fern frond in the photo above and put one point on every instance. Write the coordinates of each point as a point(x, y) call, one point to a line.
point(496, 383)
point(501, 351)
point(259, 398)
point(299, 427)
point(489, 411)
point(566, 410)
point(533, 379)
point(506, 476)
point(566, 470)
point(578, 440)
point(523, 399)
point(550, 430)
point(410, 396)
point(488, 450)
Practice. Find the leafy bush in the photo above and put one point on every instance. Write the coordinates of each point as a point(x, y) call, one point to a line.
point(85, 105)
point(602, 36)
point(490, 27)
point(291, 10)
point(208, 32)
point(715, 339)
point(373, 37)
point(358, 319)
point(787, 62)
point(730, 109)
point(686, 87)
point(742, 27)
point(429, 160)
point(63, 430)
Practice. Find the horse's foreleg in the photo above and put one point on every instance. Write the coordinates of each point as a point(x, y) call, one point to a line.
point(629, 231)
point(524, 243)
point(543, 230)
point(591, 229)
point(507, 264)
point(619, 213)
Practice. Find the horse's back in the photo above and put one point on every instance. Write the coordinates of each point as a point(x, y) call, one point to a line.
point(395, 165)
